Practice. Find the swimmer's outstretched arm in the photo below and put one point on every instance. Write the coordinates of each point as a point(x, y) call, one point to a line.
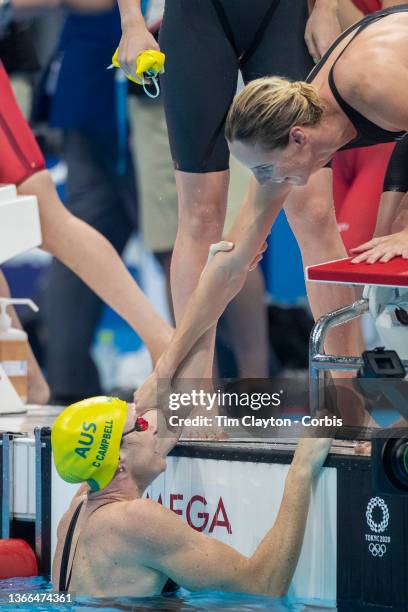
point(225, 274)
point(190, 375)
point(197, 561)
point(187, 354)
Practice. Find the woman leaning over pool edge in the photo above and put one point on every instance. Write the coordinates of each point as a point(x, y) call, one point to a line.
point(286, 131)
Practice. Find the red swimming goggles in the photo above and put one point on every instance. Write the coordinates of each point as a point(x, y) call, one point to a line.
point(140, 425)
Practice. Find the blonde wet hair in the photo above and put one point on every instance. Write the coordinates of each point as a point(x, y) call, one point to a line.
point(266, 109)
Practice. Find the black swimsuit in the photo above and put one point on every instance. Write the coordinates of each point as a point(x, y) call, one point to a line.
point(207, 42)
point(368, 133)
point(64, 580)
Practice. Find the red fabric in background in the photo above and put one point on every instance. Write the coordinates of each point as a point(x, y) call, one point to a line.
point(394, 273)
point(368, 6)
point(20, 155)
point(358, 177)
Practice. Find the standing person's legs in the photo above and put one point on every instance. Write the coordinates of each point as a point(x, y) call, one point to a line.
point(95, 194)
point(158, 215)
point(234, 29)
point(310, 212)
point(246, 315)
point(75, 243)
point(202, 206)
point(89, 255)
point(155, 177)
point(197, 90)
point(310, 209)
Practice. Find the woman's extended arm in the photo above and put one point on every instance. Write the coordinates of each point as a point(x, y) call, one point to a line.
point(220, 281)
point(225, 274)
point(197, 561)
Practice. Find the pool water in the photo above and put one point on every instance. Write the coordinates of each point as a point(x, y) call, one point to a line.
point(184, 601)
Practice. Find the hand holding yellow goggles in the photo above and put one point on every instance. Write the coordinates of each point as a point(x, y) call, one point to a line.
point(148, 65)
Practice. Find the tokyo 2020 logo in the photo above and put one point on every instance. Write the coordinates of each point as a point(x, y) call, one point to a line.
point(377, 546)
point(377, 502)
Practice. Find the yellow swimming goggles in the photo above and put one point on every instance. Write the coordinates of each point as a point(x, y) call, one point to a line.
point(149, 64)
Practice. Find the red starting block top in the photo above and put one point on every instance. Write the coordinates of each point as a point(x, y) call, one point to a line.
point(391, 274)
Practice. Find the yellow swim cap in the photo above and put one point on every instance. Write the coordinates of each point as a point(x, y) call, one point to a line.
point(86, 440)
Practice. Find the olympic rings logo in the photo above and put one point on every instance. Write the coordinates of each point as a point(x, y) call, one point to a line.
point(377, 502)
point(377, 550)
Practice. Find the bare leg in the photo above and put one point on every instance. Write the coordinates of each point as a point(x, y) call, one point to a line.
point(89, 255)
point(311, 215)
point(202, 205)
point(38, 391)
point(248, 327)
point(246, 315)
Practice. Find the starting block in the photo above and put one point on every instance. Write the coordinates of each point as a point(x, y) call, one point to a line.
point(385, 297)
point(391, 274)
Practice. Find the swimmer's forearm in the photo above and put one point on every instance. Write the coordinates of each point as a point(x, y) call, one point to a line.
point(224, 276)
point(328, 6)
point(130, 13)
point(274, 561)
point(201, 313)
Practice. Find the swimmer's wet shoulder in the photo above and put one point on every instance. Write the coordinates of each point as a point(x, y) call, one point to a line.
point(109, 545)
point(354, 69)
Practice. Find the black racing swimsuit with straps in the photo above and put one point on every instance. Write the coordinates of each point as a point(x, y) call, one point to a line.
point(368, 133)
